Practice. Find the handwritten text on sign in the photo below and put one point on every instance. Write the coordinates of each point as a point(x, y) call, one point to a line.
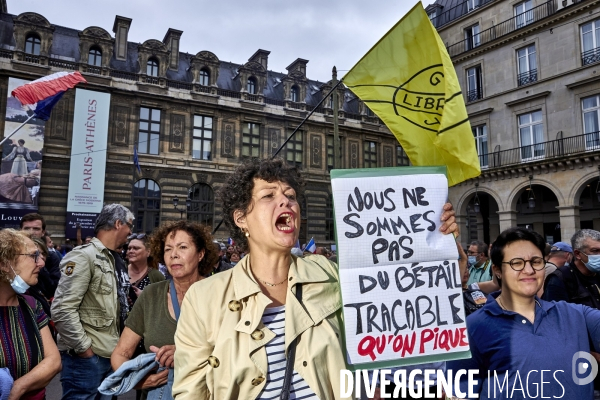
point(400, 301)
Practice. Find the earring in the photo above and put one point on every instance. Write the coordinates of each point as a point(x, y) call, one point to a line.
point(245, 232)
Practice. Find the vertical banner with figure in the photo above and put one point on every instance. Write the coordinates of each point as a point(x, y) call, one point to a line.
point(88, 161)
point(399, 275)
point(21, 161)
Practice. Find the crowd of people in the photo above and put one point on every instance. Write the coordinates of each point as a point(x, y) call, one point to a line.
point(178, 315)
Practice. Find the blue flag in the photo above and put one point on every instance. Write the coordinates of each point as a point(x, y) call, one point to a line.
point(311, 246)
point(136, 161)
point(44, 107)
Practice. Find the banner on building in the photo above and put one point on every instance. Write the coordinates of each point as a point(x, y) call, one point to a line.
point(88, 161)
point(21, 168)
point(399, 275)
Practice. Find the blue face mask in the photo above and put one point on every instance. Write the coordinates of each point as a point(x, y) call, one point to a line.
point(593, 263)
point(472, 260)
point(18, 284)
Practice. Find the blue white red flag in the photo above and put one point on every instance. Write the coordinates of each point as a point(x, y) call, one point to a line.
point(230, 242)
point(311, 246)
point(43, 94)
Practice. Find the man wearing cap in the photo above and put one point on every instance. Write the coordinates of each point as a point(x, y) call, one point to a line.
point(577, 282)
point(560, 255)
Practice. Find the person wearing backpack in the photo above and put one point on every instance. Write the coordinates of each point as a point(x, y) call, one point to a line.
point(33, 359)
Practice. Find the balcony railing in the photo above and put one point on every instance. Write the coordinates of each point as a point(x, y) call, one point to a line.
point(275, 102)
point(546, 150)
point(30, 58)
point(474, 94)
point(590, 56)
point(153, 80)
point(70, 65)
point(6, 54)
point(458, 11)
point(357, 117)
point(253, 97)
point(504, 28)
point(229, 93)
point(130, 76)
point(92, 69)
point(527, 77)
point(203, 89)
point(179, 85)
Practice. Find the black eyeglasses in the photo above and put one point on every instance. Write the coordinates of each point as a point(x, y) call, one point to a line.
point(139, 236)
point(129, 224)
point(35, 255)
point(518, 264)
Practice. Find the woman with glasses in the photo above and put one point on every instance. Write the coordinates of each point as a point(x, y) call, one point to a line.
point(520, 344)
point(140, 269)
point(26, 345)
point(187, 250)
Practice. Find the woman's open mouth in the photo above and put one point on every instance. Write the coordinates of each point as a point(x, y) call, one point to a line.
point(284, 222)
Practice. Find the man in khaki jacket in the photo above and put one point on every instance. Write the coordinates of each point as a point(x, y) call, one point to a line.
point(88, 306)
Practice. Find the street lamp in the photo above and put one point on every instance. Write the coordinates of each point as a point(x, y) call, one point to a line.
point(188, 203)
point(476, 207)
point(531, 198)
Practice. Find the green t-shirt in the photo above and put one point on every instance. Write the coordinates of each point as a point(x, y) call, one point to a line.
point(480, 274)
point(150, 316)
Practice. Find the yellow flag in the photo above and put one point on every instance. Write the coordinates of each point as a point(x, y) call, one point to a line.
point(409, 81)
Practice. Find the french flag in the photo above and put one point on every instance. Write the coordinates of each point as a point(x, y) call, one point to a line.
point(43, 94)
point(311, 246)
point(230, 242)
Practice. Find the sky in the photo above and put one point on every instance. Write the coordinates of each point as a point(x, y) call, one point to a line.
point(325, 32)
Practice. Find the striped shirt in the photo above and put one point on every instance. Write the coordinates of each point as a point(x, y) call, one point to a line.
point(15, 344)
point(274, 320)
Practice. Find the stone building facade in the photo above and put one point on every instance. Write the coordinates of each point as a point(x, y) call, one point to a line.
point(531, 81)
point(192, 117)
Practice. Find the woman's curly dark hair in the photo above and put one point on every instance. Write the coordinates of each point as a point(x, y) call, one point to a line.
point(236, 194)
point(201, 236)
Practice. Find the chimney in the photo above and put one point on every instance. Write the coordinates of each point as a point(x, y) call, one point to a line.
point(121, 29)
point(261, 57)
point(3, 7)
point(171, 40)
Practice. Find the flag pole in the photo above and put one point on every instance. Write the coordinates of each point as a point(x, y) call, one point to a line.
point(336, 129)
point(293, 133)
point(306, 119)
point(16, 130)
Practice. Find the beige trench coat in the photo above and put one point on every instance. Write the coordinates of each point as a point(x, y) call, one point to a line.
point(220, 340)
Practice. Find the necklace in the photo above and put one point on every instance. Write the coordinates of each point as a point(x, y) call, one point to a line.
point(273, 284)
point(500, 303)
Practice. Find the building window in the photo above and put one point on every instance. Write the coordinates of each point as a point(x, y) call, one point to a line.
point(472, 37)
point(329, 220)
point(401, 157)
point(330, 153)
point(531, 135)
point(203, 134)
point(293, 150)
point(204, 77)
point(590, 42)
point(152, 67)
point(370, 155)
point(481, 144)
point(32, 45)
point(251, 86)
point(202, 208)
point(432, 15)
point(294, 94)
point(251, 140)
point(149, 133)
point(370, 112)
point(330, 102)
point(523, 14)
point(146, 205)
point(95, 57)
point(591, 110)
point(473, 4)
point(527, 65)
point(474, 84)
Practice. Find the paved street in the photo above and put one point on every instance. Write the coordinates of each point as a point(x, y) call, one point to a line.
point(54, 391)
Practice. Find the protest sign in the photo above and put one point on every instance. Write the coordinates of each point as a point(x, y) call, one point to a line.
point(399, 275)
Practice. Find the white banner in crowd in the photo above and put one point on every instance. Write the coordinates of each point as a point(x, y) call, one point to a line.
point(88, 160)
point(400, 280)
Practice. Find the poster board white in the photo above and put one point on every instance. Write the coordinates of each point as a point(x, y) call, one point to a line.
point(88, 159)
point(399, 275)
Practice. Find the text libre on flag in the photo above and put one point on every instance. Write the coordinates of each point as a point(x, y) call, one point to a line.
point(409, 81)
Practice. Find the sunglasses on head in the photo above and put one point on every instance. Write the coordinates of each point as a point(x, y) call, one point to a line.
point(138, 236)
